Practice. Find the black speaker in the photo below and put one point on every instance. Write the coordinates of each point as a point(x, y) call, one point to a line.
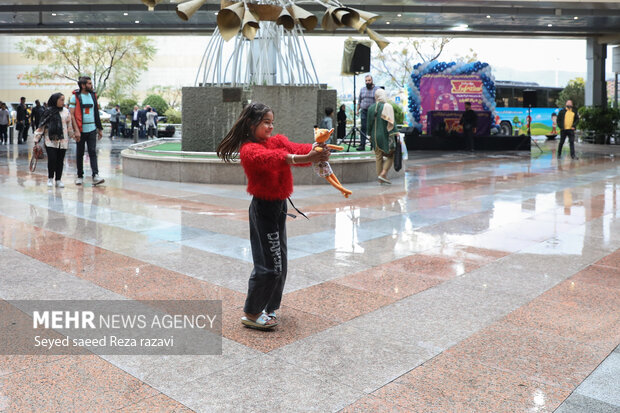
point(360, 62)
point(529, 98)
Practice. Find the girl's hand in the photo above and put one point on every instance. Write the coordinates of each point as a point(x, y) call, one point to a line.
point(316, 156)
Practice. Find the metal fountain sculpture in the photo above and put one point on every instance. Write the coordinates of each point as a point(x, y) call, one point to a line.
point(269, 45)
point(257, 52)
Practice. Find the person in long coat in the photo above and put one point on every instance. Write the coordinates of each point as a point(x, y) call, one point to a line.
point(341, 130)
point(382, 130)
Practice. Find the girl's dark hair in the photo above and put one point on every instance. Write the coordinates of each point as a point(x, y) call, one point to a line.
point(53, 100)
point(242, 131)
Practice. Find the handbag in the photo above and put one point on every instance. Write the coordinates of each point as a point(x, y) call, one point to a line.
point(398, 155)
point(37, 153)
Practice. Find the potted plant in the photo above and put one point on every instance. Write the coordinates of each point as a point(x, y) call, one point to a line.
point(598, 122)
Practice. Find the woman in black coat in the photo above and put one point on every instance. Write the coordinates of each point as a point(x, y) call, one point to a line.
point(341, 131)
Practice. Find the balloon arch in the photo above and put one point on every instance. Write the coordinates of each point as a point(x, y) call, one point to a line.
point(456, 68)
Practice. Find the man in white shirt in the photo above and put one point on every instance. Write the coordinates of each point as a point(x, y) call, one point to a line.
point(135, 123)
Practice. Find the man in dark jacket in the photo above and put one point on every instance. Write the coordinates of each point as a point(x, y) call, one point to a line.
point(22, 121)
point(142, 122)
point(85, 115)
point(37, 113)
point(567, 121)
point(469, 120)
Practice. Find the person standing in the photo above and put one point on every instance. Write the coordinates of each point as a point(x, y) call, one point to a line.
point(135, 122)
point(382, 131)
point(266, 161)
point(151, 123)
point(22, 121)
point(328, 121)
point(366, 99)
point(5, 120)
point(122, 125)
point(37, 113)
point(56, 127)
point(469, 120)
point(341, 131)
point(567, 121)
point(114, 118)
point(85, 114)
point(142, 122)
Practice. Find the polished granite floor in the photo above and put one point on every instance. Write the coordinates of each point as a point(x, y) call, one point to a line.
point(486, 282)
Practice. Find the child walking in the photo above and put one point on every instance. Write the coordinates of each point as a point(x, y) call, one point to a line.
point(266, 162)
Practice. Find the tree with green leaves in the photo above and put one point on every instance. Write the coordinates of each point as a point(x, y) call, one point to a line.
point(127, 106)
point(171, 94)
point(393, 66)
point(156, 102)
point(575, 90)
point(114, 63)
point(399, 115)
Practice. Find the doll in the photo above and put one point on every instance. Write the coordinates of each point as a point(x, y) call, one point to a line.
point(322, 168)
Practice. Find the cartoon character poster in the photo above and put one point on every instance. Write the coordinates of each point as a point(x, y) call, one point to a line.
point(449, 92)
point(541, 121)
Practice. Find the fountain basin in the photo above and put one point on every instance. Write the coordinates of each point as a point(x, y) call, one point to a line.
point(154, 160)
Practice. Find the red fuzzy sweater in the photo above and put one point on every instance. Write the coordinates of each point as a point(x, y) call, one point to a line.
point(269, 176)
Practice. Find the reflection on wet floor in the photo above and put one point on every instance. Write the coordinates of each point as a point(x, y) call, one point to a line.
point(474, 279)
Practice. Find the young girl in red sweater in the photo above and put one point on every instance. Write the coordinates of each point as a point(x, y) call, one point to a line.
point(266, 162)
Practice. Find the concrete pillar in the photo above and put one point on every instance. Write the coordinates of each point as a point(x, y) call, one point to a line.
point(616, 69)
point(596, 88)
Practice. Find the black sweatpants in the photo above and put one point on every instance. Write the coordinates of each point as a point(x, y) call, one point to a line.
point(23, 134)
point(468, 133)
point(90, 139)
point(3, 133)
point(571, 140)
point(268, 240)
point(114, 129)
point(134, 124)
point(55, 162)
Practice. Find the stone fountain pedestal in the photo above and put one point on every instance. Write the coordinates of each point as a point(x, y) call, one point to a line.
point(210, 111)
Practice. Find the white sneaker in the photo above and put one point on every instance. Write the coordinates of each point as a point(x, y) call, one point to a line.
point(79, 181)
point(50, 182)
point(59, 184)
point(97, 180)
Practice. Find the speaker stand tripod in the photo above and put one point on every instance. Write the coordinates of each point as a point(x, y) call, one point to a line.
point(529, 131)
point(351, 137)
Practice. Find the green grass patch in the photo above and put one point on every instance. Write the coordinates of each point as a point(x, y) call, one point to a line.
point(168, 146)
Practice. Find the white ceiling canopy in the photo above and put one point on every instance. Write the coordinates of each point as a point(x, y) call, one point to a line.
point(568, 18)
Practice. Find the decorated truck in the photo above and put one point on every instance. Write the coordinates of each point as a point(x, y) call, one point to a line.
point(436, 87)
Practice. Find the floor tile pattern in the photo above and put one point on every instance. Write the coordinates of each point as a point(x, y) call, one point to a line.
point(484, 282)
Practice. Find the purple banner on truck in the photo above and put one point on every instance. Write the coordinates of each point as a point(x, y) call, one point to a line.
point(448, 92)
point(447, 121)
